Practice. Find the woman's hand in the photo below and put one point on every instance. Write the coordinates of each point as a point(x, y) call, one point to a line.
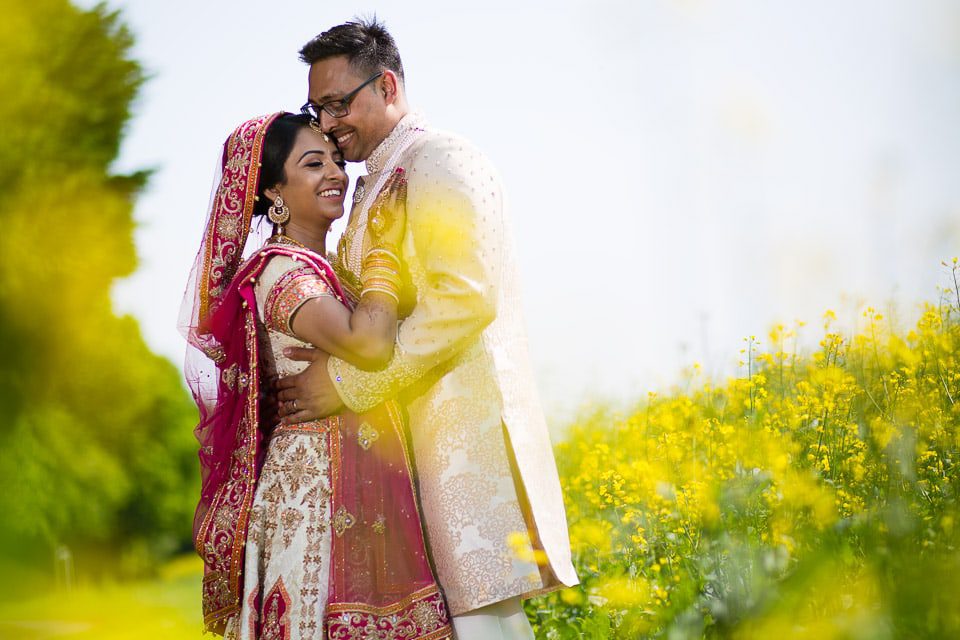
point(388, 215)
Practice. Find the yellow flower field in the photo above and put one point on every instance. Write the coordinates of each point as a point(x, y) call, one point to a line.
point(814, 497)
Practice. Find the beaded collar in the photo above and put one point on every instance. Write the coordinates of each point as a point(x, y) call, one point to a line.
point(413, 121)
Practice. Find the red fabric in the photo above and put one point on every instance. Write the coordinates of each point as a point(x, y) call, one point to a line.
point(221, 369)
point(381, 581)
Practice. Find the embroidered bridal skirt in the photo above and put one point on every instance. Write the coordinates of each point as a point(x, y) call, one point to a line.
point(288, 542)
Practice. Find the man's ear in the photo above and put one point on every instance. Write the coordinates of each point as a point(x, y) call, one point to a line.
point(388, 86)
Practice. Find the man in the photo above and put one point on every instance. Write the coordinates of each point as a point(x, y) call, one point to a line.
point(488, 482)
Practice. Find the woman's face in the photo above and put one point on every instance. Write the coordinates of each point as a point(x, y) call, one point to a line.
point(316, 183)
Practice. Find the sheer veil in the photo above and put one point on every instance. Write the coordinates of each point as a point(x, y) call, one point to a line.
point(228, 237)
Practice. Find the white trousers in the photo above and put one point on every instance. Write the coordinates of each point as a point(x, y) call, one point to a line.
point(499, 621)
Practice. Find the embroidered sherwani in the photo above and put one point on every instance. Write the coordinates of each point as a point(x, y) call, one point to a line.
point(487, 477)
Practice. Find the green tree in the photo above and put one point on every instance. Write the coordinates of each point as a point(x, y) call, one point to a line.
point(96, 446)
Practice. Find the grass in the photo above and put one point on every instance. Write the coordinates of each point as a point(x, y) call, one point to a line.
point(167, 607)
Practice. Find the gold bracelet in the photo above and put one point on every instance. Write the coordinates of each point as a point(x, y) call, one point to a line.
point(380, 262)
point(386, 285)
point(382, 266)
point(384, 252)
point(383, 248)
point(384, 290)
point(379, 272)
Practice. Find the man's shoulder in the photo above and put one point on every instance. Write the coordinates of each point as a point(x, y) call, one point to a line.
point(448, 152)
point(442, 141)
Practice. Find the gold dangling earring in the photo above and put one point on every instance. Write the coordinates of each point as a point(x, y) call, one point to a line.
point(279, 214)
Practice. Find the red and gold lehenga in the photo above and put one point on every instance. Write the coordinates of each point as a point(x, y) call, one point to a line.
point(309, 530)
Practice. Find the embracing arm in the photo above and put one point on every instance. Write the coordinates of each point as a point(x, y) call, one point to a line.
point(364, 338)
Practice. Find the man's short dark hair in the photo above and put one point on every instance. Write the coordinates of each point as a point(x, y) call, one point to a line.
point(366, 43)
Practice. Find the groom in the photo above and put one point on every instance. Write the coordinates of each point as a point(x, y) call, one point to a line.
point(488, 482)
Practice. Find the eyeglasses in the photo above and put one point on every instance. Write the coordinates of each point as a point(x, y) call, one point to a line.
point(336, 108)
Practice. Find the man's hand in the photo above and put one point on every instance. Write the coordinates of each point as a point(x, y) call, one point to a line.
point(309, 395)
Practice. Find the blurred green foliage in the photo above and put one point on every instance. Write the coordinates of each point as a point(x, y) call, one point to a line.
point(96, 445)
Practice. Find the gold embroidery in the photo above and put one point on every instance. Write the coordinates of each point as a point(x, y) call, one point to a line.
point(367, 435)
point(217, 539)
point(290, 519)
point(363, 390)
point(300, 467)
point(465, 500)
point(229, 227)
point(425, 616)
point(380, 524)
point(232, 211)
point(276, 622)
point(254, 616)
point(420, 616)
point(229, 376)
point(217, 354)
point(291, 291)
point(322, 426)
point(342, 520)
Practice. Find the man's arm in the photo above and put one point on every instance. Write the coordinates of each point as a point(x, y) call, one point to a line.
point(454, 223)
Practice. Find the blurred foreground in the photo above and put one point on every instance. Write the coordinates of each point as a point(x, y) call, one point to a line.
point(165, 608)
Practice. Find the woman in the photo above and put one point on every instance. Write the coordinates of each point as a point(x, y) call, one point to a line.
point(308, 530)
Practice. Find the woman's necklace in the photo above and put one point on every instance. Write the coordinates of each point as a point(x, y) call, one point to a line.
point(279, 238)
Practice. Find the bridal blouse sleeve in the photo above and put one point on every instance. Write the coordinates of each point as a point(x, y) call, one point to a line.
point(452, 247)
point(284, 287)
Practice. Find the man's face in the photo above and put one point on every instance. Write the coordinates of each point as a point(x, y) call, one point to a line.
point(359, 132)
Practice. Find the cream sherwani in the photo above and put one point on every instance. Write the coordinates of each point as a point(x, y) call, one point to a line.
point(487, 477)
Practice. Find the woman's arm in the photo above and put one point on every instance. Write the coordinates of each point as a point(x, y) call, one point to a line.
point(365, 337)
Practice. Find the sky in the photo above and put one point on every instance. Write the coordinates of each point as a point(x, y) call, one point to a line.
point(681, 174)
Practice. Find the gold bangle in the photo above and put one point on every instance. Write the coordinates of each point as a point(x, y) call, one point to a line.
point(379, 269)
point(383, 266)
point(383, 252)
point(381, 284)
point(379, 272)
point(384, 290)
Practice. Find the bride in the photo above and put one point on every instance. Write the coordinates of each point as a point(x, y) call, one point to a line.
point(307, 530)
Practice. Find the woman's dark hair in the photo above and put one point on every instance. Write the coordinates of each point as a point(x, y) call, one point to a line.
point(277, 145)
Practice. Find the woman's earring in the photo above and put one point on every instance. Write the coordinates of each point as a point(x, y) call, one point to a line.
point(279, 214)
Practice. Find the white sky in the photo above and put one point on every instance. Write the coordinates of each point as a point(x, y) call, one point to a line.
point(681, 174)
